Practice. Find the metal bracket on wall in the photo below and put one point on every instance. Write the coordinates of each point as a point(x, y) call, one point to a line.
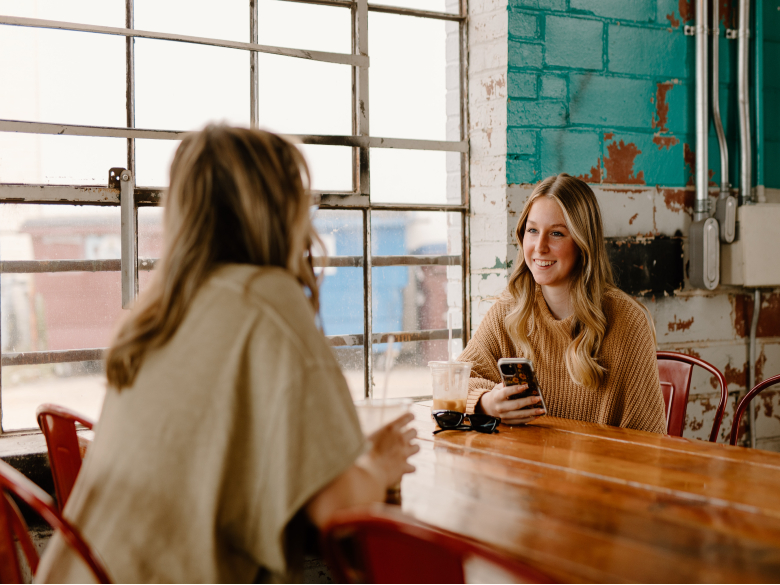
point(732, 33)
point(689, 31)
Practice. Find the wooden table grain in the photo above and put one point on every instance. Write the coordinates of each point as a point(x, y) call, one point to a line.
point(589, 502)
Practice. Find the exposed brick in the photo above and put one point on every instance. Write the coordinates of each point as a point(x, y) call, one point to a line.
point(522, 85)
point(524, 54)
point(521, 171)
point(645, 51)
point(523, 24)
point(570, 151)
point(536, 114)
point(521, 141)
point(611, 101)
point(553, 86)
point(640, 10)
point(573, 42)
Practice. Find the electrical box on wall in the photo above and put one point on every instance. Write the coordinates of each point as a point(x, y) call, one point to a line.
point(753, 259)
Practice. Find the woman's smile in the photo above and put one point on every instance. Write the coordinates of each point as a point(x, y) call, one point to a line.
point(548, 247)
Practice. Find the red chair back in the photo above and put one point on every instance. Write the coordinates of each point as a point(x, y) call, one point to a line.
point(65, 451)
point(384, 546)
point(675, 371)
point(745, 402)
point(12, 525)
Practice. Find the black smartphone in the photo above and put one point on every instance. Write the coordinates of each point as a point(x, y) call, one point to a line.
point(519, 371)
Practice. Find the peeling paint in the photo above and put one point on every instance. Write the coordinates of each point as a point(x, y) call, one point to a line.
point(665, 141)
point(595, 174)
point(672, 20)
point(493, 85)
point(619, 166)
point(689, 156)
point(735, 376)
point(768, 318)
point(678, 200)
point(661, 116)
point(727, 14)
point(633, 217)
point(608, 135)
point(676, 325)
point(687, 10)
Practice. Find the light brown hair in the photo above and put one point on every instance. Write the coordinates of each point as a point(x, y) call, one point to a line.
point(236, 196)
point(590, 279)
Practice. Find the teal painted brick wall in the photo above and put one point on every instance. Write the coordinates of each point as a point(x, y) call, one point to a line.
point(604, 89)
point(771, 26)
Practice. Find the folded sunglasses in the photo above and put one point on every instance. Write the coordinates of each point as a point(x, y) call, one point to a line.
point(452, 420)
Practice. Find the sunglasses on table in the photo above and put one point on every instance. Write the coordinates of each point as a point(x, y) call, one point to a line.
point(452, 420)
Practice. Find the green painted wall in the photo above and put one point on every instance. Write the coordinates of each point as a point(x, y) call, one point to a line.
point(604, 89)
point(770, 24)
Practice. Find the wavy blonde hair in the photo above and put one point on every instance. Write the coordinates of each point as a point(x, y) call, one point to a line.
point(591, 279)
point(236, 196)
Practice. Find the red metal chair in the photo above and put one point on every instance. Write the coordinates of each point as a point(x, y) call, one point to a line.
point(66, 448)
point(745, 402)
point(675, 371)
point(12, 525)
point(380, 545)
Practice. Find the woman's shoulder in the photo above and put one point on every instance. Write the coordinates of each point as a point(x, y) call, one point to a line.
point(622, 309)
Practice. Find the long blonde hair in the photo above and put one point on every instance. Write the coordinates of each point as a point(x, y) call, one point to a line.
point(590, 279)
point(236, 195)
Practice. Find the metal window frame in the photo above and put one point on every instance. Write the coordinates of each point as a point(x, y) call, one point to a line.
point(361, 141)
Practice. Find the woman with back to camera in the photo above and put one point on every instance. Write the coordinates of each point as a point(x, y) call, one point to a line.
point(227, 424)
point(592, 346)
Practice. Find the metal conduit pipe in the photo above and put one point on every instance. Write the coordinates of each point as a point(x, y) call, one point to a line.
point(726, 207)
point(745, 153)
point(703, 236)
point(752, 364)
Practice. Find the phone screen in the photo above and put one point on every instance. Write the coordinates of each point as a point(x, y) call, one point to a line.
point(517, 374)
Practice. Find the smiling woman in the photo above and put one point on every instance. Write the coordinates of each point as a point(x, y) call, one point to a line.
point(593, 345)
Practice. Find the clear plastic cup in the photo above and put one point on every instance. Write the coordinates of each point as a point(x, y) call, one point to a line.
point(450, 385)
point(374, 413)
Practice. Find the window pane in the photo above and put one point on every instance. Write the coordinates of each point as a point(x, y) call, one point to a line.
point(99, 12)
point(408, 80)
point(153, 160)
point(435, 5)
point(150, 241)
point(286, 96)
point(341, 292)
point(79, 385)
point(330, 167)
point(304, 26)
point(415, 176)
point(62, 77)
point(58, 232)
point(410, 376)
point(226, 19)
point(182, 86)
point(59, 160)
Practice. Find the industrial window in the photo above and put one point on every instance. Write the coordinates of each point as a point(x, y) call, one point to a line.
point(94, 98)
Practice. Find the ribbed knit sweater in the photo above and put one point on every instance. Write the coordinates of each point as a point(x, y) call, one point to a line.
point(630, 395)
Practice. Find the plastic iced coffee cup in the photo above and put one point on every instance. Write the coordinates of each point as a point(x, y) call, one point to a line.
point(450, 385)
point(373, 414)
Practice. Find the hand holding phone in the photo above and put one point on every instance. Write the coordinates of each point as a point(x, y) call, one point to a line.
point(518, 399)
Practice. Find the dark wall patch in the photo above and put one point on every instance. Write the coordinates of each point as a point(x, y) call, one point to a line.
point(647, 266)
point(768, 318)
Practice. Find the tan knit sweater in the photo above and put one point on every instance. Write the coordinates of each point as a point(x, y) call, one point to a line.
point(630, 395)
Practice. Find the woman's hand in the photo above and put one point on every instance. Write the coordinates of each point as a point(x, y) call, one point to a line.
point(391, 446)
point(496, 402)
point(369, 477)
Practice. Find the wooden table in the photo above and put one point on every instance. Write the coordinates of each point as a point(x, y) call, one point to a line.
point(589, 502)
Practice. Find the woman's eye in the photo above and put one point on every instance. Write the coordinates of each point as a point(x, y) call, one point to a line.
point(531, 231)
point(557, 234)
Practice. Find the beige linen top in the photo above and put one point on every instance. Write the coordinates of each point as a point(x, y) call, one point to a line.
point(630, 395)
point(197, 470)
